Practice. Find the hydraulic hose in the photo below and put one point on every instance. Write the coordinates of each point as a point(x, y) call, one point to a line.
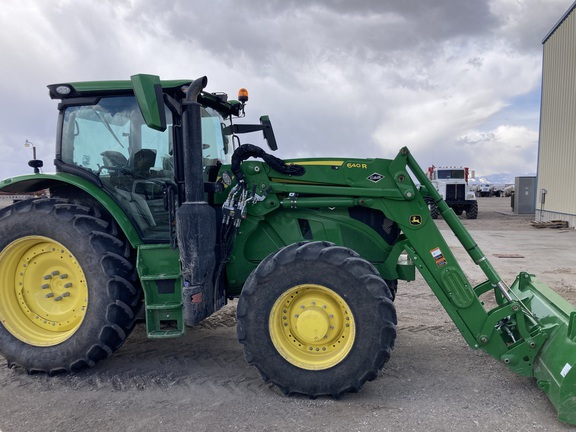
point(245, 151)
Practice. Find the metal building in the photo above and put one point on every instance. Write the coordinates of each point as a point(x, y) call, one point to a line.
point(556, 189)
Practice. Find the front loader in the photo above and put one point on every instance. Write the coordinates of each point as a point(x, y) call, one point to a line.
point(156, 211)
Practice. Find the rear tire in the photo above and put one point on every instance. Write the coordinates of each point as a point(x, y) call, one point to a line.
point(316, 319)
point(393, 287)
point(472, 211)
point(67, 294)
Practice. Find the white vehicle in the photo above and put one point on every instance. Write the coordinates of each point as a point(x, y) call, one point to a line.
point(452, 184)
point(485, 190)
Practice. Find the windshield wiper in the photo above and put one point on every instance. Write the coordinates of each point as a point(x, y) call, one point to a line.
point(105, 123)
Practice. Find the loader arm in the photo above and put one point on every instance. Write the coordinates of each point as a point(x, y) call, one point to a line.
point(434, 259)
point(532, 329)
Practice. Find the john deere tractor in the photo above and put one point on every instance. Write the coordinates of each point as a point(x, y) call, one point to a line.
point(157, 211)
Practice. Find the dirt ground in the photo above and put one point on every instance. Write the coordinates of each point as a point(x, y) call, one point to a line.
point(434, 381)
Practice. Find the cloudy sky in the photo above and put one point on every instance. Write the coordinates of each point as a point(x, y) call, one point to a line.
point(457, 81)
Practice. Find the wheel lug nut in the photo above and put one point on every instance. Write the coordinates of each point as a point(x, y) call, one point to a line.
point(45, 286)
point(60, 297)
point(49, 295)
point(68, 285)
point(63, 276)
point(47, 277)
point(55, 273)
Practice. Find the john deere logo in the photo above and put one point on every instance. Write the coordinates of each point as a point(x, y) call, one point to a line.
point(415, 220)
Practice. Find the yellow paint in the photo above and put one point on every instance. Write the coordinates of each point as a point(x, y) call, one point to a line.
point(312, 327)
point(44, 293)
point(320, 163)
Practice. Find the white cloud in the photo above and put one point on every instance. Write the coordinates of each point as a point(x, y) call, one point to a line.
point(466, 86)
point(525, 22)
point(359, 78)
point(509, 149)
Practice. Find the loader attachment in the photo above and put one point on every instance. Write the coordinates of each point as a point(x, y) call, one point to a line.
point(532, 329)
point(553, 366)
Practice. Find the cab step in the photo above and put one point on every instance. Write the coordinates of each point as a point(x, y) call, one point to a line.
point(159, 270)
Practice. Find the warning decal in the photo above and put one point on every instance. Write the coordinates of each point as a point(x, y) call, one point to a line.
point(438, 257)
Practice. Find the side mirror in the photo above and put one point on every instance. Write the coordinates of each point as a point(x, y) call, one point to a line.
point(265, 126)
point(268, 133)
point(148, 92)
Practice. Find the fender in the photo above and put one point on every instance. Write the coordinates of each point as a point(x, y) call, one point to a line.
point(37, 182)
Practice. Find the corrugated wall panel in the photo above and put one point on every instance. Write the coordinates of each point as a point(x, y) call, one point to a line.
point(557, 150)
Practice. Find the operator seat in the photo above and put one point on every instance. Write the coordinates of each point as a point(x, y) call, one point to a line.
point(142, 161)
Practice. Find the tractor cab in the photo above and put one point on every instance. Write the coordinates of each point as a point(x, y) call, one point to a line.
point(106, 138)
point(137, 165)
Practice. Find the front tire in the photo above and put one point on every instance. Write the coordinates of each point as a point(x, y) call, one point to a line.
point(67, 294)
point(434, 213)
point(316, 319)
point(472, 211)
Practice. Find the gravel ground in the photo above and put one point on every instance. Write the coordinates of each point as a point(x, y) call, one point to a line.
point(434, 381)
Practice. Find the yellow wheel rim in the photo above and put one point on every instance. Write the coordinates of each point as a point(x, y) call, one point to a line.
point(43, 291)
point(312, 327)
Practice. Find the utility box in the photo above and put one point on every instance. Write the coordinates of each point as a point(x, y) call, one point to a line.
point(525, 195)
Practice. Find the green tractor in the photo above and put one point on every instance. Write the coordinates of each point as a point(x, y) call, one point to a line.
point(156, 211)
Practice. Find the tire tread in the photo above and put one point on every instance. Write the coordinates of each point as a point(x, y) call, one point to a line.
point(116, 262)
point(337, 256)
